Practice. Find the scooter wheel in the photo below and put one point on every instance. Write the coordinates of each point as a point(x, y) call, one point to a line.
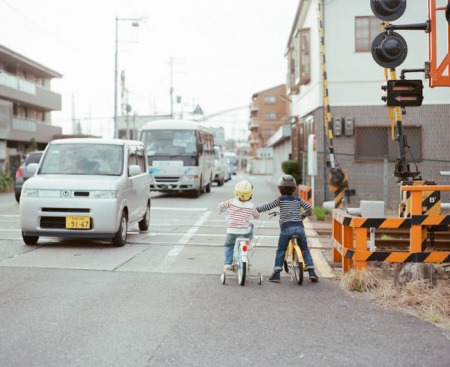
point(222, 278)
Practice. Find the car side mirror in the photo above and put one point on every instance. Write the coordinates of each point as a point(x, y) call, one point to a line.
point(134, 170)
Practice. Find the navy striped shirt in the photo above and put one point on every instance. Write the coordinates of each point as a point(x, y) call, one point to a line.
point(292, 209)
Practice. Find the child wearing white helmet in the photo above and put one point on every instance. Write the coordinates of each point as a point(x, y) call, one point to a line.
point(240, 211)
point(292, 212)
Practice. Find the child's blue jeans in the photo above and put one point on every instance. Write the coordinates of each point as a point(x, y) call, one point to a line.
point(230, 241)
point(283, 242)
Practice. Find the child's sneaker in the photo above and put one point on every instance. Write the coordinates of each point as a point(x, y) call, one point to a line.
point(275, 277)
point(313, 276)
point(228, 267)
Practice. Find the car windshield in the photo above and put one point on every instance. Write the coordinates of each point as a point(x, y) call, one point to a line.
point(169, 142)
point(83, 159)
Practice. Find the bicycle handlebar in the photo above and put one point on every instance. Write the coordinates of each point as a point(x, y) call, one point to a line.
point(274, 214)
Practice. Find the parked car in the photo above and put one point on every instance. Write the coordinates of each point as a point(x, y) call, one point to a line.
point(220, 167)
point(87, 188)
point(229, 172)
point(22, 173)
point(233, 161)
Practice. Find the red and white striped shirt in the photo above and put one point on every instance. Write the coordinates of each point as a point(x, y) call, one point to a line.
point(240, 213)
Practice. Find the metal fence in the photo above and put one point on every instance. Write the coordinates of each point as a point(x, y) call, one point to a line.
point(372, 178)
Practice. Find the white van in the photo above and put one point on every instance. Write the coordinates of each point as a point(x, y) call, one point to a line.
point(86, 188)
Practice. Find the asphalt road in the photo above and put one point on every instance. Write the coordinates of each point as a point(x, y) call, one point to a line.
point(158, 301)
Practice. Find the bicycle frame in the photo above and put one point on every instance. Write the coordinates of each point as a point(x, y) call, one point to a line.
point(294, 264)
point(241, 260)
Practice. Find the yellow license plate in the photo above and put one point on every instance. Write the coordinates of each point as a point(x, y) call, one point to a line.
point(78, 222)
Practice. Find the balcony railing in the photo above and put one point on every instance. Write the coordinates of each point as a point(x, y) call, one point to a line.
point(24, 124)
point(14, 82)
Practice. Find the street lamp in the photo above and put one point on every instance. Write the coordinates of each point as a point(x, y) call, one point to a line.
point(135, 23)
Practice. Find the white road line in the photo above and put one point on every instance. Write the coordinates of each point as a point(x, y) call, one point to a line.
point(175, 251)
point(178, 209)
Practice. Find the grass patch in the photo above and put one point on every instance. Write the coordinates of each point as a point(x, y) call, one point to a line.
point(320, 212)
point(417, 298)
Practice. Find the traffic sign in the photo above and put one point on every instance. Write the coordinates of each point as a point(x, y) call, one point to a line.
point(404, 93)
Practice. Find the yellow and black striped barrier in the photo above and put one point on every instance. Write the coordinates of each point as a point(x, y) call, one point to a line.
point(350, 235)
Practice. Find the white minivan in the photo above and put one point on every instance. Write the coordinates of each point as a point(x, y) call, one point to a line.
point(87, 188)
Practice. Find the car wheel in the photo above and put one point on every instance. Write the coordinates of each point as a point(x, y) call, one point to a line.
point(145, 222)
point(120, 238)
point(196, 193)
point(30, 240)
point(208, 188)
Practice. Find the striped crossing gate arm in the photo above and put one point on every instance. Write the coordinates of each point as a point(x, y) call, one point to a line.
point(338, 180)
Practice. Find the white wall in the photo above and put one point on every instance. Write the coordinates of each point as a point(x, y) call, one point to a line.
point(354, 78)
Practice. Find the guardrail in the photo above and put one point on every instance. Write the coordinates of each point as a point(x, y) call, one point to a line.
point(350, 234)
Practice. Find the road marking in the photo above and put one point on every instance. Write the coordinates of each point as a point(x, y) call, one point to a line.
point(175, 251)
point(178, 209)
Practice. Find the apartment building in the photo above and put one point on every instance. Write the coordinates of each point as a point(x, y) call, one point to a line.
point(269, 110)
point(362, 133)
point(26, 102)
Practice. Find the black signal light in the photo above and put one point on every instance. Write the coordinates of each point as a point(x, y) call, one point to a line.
point(389, 50)
point(388, 10)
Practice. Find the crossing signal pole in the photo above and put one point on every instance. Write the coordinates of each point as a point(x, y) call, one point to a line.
point(389, 50)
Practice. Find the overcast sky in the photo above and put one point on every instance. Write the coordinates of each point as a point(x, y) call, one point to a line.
point(222, 51)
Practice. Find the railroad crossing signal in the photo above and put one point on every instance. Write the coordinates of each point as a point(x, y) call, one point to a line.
point(389, 50)
point(388, 9)
point(403, 93)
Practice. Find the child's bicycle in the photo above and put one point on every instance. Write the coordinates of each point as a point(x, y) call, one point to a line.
point(241, 261)
point(293, 260)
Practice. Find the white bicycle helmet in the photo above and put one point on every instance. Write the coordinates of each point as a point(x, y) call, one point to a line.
point(243, 190)
point(287, 181)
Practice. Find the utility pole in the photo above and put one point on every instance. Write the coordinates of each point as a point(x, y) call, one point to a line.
point(171, 87)
point(134, 23)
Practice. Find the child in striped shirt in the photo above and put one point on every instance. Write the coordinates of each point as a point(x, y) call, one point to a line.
point(240, 211)
point(291, 223)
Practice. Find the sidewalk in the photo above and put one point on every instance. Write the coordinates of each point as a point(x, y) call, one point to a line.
point(320, 245)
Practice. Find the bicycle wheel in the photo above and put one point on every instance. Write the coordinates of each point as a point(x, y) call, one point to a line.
point(286, 266)
point(298, 269)
point(223, 277)
point(288, 258)
point(242, 268)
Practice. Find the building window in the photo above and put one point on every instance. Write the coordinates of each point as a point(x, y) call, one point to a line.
point(270, 116)
point(304, 57)
point(375, 143)
point(267, 133)
point(366, 29)
point(269, 99)
point(291, 87)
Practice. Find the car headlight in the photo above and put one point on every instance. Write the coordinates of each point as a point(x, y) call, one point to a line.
point(104, 194)
point(187, 179)
point(30, 193)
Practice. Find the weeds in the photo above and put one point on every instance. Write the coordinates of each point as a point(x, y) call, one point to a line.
point(319, 212)
point(417, 298)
